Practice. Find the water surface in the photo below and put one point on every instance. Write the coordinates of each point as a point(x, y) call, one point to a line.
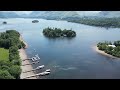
point(68, 58)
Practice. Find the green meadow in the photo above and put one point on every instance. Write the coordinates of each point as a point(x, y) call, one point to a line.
point(4, 54)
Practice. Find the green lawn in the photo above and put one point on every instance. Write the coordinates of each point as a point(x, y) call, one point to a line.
point(4, 54)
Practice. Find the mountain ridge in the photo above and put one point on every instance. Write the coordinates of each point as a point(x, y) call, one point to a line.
point(59, 14)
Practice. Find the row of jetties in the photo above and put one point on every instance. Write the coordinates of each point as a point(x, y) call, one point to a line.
point(46, 72)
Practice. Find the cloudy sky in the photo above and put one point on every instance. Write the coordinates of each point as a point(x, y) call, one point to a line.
point(20, 12)
point(26, 12)
point(83, 12)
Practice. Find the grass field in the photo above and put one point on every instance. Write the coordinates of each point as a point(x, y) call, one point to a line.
point(4, 54)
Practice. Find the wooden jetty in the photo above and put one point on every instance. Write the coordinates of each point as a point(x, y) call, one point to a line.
point(39, 74)
point(35, 61)
point(39, 67)
point(31, 63)
point(27, 59)
point(33, 58)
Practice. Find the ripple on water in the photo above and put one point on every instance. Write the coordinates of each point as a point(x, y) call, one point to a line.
point(68, 68)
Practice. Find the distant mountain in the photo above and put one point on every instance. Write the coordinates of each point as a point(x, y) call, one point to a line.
point(8, 15)
point(73, 14)
point(59, 14)
point(1, 15)
point(53, 14)
point(109, 14)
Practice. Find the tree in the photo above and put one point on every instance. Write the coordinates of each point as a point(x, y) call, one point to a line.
point(4, 74)
point(15, 71)
point(117, 43)
point(16, 62)
point(10, 69)
point(56, 32)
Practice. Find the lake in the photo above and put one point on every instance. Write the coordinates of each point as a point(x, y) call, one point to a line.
point(68, 58)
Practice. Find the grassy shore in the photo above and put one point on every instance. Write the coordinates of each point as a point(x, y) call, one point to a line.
point(4, 54)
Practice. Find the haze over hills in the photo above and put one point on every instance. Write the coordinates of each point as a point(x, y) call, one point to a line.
point(8, 14)
point(109, 14)
point(54, 14)
point(57, 14)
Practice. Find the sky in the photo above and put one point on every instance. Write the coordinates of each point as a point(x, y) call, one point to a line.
point(20, 12)
point(28, 12)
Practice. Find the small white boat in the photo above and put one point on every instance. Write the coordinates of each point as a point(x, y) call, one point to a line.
point(45, 73)
point(37, 56)
point(34, 59)
point(40, 67)
point(48, 70)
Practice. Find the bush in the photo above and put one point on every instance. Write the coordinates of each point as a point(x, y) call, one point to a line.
point(4, 74)
point(15, 71)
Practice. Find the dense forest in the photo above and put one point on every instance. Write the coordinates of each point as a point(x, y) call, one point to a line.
point(10, 69)
point(56, 32)
point(101, 22)
point(115, 51)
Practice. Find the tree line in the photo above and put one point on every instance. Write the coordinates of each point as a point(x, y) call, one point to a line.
point(57, 32)
point(10, 69)
point(101, 22)
point(104, 46)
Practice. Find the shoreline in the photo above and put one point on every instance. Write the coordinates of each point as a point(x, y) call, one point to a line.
point(103, 53)
point(23, 56)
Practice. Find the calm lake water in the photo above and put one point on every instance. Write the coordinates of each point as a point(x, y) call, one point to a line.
point(68, 58)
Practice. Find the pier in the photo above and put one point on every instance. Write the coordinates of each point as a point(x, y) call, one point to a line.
point(39, 67)
point(35, 61)
point(39, 74)
point(33, 58)
point(31, 63)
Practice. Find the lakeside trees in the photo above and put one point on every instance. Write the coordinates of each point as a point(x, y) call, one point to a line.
point(10, 69)
point(56, 32)
point(101, 22)
point(115, 51)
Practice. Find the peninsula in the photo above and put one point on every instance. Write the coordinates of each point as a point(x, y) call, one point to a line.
point(109, 49)
point(12, 50)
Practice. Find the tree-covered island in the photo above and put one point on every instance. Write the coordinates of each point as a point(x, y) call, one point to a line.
point(110, 48)
point(56, 32)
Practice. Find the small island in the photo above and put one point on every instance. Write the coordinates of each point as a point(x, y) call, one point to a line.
point(109, 48)
point(56, 32)
point(4, 22)
point(35, 21)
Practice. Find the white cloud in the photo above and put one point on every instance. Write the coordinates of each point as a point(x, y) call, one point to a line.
point(20, 12)
point(79, 12)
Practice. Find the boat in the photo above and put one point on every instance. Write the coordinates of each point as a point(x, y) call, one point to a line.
point(34, 59)
point(37, 56)
point(40, 67)
point(44, 73)
point(35, 62)
point(48, 70)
